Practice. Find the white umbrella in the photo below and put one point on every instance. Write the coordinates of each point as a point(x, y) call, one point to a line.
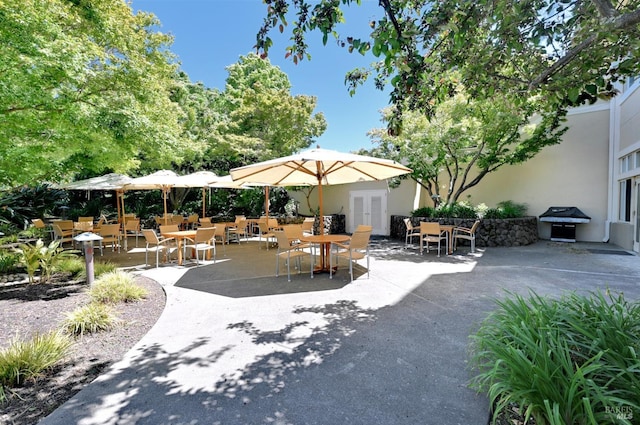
point(111, 181)
point(163, 180)
point(197, 179)
point(318, 167)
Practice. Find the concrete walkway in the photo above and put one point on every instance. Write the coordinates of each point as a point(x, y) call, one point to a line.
point(236, 345)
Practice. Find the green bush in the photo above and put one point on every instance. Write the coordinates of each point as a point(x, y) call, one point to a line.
point(25, 360)
point(91, 318)
point(572, 360)
point(103, 267)
point(72, 265)
point(506, 209)
point(423, 212)
point(8, 261)
point(114, 287)
point(42, 257)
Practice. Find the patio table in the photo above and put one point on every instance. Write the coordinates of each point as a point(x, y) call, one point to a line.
point(325, 246)
point(180, 236)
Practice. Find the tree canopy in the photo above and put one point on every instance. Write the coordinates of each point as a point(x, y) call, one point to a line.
point(565, 51)
point(464, 141)
point(85, 86)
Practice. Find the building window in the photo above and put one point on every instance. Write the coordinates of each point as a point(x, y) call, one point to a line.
point(625, 200)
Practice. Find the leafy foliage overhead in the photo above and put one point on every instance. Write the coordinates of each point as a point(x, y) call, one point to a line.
point(465, 140)
point(85, 86)
point(565, 51)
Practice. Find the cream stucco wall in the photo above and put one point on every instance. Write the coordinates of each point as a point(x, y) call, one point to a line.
point(573, 173)
point(629, 121)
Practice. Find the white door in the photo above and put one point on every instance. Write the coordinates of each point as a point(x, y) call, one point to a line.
point(635, 216)
point(368, 207)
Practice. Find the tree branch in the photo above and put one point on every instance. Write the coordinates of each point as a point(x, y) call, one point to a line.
point(620, 22)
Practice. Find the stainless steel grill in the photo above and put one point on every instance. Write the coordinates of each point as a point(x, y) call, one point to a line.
point(563, 222)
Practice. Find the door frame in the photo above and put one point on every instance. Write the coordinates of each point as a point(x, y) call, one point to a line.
point(635, 213)
point(368, 194)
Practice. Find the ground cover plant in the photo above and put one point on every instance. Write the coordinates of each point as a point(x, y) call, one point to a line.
point(572, 360)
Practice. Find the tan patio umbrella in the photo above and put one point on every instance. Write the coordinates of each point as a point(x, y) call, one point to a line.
point(318, 167)
point(111, 181)
point(160, 180)
point(200, 179)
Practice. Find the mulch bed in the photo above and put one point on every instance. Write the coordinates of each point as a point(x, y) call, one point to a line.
point(37, 308)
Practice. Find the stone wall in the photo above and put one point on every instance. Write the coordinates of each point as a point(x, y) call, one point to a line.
point(491, 232)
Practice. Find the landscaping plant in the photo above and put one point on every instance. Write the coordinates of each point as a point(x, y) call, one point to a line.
point(572, 360)
point(116, 286)
point(91, 318)
point(42, 257)
point(25, 360)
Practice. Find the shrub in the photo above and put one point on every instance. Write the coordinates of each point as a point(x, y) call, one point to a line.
point(8, 261)
point(25, 360)
point(91, 318)
point(567, 361)
point(114, 287)
point(103, 267)
point(423, 212)
point(73, 265)
point(506, 209)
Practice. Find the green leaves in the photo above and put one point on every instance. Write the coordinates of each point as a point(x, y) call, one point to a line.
point(85, 87)
point(562, 361)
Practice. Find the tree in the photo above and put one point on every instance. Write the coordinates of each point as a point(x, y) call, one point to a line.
point(464, 141)
point(565, 51)
point(263, 119)
point(85, 87)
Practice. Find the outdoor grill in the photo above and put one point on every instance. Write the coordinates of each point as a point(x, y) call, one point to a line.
point(563, 222)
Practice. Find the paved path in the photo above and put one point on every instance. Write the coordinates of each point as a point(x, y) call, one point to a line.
point(236, 345)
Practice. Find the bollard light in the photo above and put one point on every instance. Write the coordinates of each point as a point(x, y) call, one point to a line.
point(87, 239)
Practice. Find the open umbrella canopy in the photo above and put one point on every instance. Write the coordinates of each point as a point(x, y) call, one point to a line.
point(162, 179)
point(318, 167)
point(112, 181)
point(197, 179)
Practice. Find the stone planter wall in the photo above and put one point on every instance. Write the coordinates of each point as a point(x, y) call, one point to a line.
point(491, 232)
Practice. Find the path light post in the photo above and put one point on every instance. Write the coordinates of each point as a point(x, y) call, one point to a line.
point(87, 239)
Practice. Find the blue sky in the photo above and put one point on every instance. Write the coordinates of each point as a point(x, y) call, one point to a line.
point(212, 34)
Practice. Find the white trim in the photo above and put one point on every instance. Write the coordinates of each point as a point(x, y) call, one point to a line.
point(596, 107)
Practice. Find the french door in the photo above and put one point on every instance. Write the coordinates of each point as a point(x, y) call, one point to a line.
point(368, 207)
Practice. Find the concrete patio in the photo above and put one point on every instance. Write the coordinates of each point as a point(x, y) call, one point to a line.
point(236, 345)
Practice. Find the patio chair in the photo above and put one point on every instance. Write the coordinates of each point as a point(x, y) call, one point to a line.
point(85, 220)
point(240, 229)
point(307, 225)
point(203, 241)
point(412, 231)
point(62, 235)
point(288, 252)
point(264, 232)
point(166, 228)
point(467, 234)
point(294, 233)
point(192, 221)
point(178, 220)
point(430, 232)
point(110, 236)
point(205, 222)
point(157, 244)
point(38, 223)
point(131, 227)
point(221, 235)
point(356, 249)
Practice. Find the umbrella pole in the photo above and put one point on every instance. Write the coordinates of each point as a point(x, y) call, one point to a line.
point(266, 201)
point(164, 192)
point(204, 200)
